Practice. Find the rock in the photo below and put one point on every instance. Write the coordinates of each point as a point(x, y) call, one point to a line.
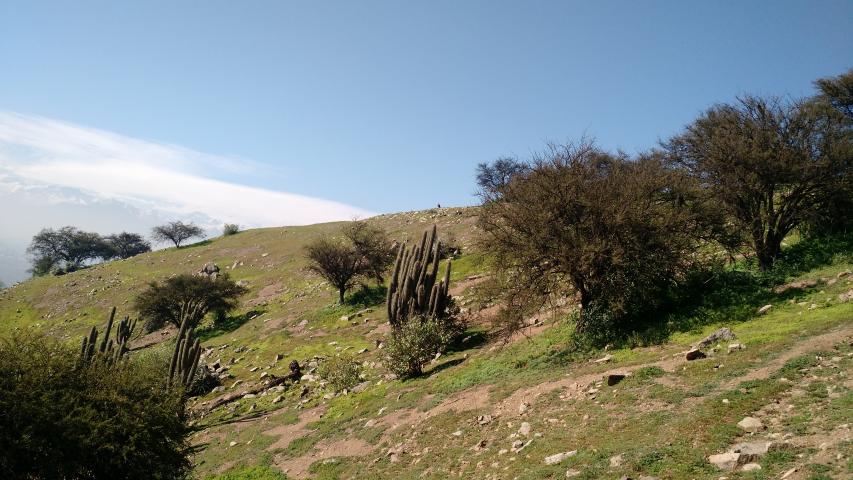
point(749, 467)
point(751, 451)
point(604, 359)
point(524, 429)
point(722, 335)
point(484, 419)
point(572, 473)
point(733, 347)
point(558, 457)
point(845, 297)
point(615, 378)
point(522, 407)
point(725, 461)
point(616, 461)
point(750, 424)
point(843, 274)
point(232, 444)
point(277, 399)
point(695, 355)
point(764, 309)
point(457, 433)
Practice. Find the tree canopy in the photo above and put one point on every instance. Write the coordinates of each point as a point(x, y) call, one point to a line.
point(176, 232)
point(186, 296)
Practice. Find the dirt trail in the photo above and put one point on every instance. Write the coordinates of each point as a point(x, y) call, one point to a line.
point(824, 341)
point(298, 467)
point(288, 433)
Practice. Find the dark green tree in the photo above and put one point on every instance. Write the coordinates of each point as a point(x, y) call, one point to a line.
point(126, 245)
point(67, 248)
point(374, 247)
point(189, 297)
point(337, 262)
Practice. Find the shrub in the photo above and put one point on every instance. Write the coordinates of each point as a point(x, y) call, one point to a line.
point(187, 295)
point(230, 229)
point(371, 243)
point(414, 343)
point(342, 372)
point(61, 419)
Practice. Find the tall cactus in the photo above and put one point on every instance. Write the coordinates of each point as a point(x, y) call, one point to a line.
point(110, 350)
point(414, 289)
point(185, 357)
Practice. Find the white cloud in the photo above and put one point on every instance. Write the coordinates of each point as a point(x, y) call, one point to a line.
point(149, 175)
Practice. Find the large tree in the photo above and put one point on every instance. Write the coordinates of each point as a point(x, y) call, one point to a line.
point(126, 245)
point(372, 244)
point(176, 232)
point(769, 163)
point(187, 296)
point(337, 262)
point(67, 248)
point(576, 219)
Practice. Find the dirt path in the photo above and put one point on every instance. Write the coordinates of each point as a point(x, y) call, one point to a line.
point(824, 341)
point(289, 433)
point(298, 467)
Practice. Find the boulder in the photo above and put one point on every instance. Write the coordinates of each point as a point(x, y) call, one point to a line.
point(725, 461)
point(695, 354)
point(722, 335)
point(750, 424)
point(764, 309)
point(615, 378)
point(559, 457)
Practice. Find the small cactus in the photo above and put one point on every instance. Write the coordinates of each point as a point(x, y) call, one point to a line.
point(415, 289)
point(109, 350)
point(185, 357)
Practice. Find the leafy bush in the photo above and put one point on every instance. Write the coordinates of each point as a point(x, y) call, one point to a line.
point(126, 245)
point(187, 295)
point(414, 343)
point(230, 229)
point(61, 419)
point(342, 372)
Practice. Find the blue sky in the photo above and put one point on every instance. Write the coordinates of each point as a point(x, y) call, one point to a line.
point(388, 106)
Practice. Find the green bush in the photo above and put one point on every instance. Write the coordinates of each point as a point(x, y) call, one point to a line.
point(230, 229)
point(60, 419)
point(415, 342)
point(342, 372)
point(191, 295)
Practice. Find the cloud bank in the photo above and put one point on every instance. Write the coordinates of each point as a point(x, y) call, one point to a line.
point(54, 173)
point(150, 175)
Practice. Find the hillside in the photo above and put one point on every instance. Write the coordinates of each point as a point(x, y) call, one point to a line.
point(533, 408)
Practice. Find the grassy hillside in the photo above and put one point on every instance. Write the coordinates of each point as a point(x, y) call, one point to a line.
point(491, 410)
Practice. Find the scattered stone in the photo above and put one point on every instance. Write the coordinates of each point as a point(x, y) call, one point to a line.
point(232, 444)
point(844, 297)
point(558, 457)
point(733, 347)
point(522, 407)
point(457, 433)
point(764, 309)
point(722, 335)
point(749, 467)
point(524, 429)
point(484, 419)
point(788, 473)
point(572, 473)
point(751, 451)
point(615, 378)
point(843, 274)
point(695, 355)
point(750, 424)
point(725, 461)
point(616, 461)
point(277, 399)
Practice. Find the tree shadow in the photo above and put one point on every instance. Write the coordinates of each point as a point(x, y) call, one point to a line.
point(226, 325)
point(471, 339)
point(442, 366)
point(717, 294)
point(367, 296)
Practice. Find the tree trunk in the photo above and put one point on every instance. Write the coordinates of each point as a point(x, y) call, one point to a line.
point(341, 292)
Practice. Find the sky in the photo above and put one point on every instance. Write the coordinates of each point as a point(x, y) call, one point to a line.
point(283, 112)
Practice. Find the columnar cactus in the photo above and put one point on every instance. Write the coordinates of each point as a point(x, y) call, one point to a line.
point(185, 356)
point(110, 350)
point(414, 289)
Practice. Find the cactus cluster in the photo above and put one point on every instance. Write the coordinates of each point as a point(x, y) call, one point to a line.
point(185, 356)
point(415, 289)
point(109, 350)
